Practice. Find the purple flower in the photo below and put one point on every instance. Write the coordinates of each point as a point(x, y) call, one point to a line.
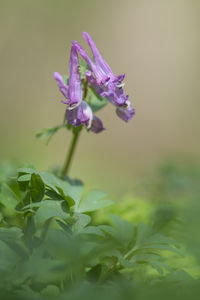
point(78, 111)
point(97, 125)
point(102, 79)
point(83, 114)
point(125, 112)
point(73, 92)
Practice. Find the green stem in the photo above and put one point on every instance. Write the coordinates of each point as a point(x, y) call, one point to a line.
point(70, 154)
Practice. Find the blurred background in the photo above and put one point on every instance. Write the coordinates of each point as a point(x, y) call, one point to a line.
point(155, 42)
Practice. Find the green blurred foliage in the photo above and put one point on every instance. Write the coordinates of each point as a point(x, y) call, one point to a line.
point(58, 240)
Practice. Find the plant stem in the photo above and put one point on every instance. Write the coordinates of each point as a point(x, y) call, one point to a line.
point(68, 161)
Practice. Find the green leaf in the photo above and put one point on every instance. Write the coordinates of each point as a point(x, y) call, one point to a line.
point(51, 181)
point(66, 226)
point(125, 230)
point(10, 234)
point(60, 187)
point(50, 291)
point(23, 182)
point(116, 253)
point(82, 221)
point(50, 209)
point(53, 195)
point(92, 201)
point(71, 191)
point(8, 258)
point(74, 189)
point(26, 171)
point(152, 259)
point(39, 269)
point(159, 239)
point(26, 177)
point(34, 205)
point(93, 230)
point(158, 248)
point(95, 101)
point(159, 266)
point(37, 188)
point(145, 257)
point(48, 132)
point(109, 230)
point(7, 197)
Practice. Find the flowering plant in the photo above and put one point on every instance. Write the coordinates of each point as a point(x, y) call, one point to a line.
point(55, 243)
point(98, 77)
point(90, 86)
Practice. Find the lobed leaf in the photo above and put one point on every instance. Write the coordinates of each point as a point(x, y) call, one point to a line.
point(7, 197)
point(49, 209)
point(37, 188)
point(93, 200)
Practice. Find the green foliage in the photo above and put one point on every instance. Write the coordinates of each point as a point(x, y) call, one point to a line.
point(95, 101)
point(48, 132)
point(92, 201)
point(59, 242)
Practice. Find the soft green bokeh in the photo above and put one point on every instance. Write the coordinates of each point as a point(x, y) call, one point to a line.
point(154, 42)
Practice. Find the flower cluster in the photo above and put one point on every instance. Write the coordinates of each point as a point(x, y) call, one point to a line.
point(101, 78)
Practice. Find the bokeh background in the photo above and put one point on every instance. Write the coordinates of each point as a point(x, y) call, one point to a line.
point(155, 42)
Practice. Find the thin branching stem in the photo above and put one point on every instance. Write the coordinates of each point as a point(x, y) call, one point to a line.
point(70, 154)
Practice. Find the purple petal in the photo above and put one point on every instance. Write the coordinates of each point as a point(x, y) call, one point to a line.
point(125, 113)
point(97, 56)
point(93, 82)
point(119, 79)
point(84, 113)
point(119, 97)
point(63, 87)
point(81, 114)
point(75, 89)
point(115, 95)
point(101, 77)
point(110, 88)
point(97, 125)
point(84, 54)
point(71, 117)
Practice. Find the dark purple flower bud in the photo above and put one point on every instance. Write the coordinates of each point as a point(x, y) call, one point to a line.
point(97, 125)
point(125, 112)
